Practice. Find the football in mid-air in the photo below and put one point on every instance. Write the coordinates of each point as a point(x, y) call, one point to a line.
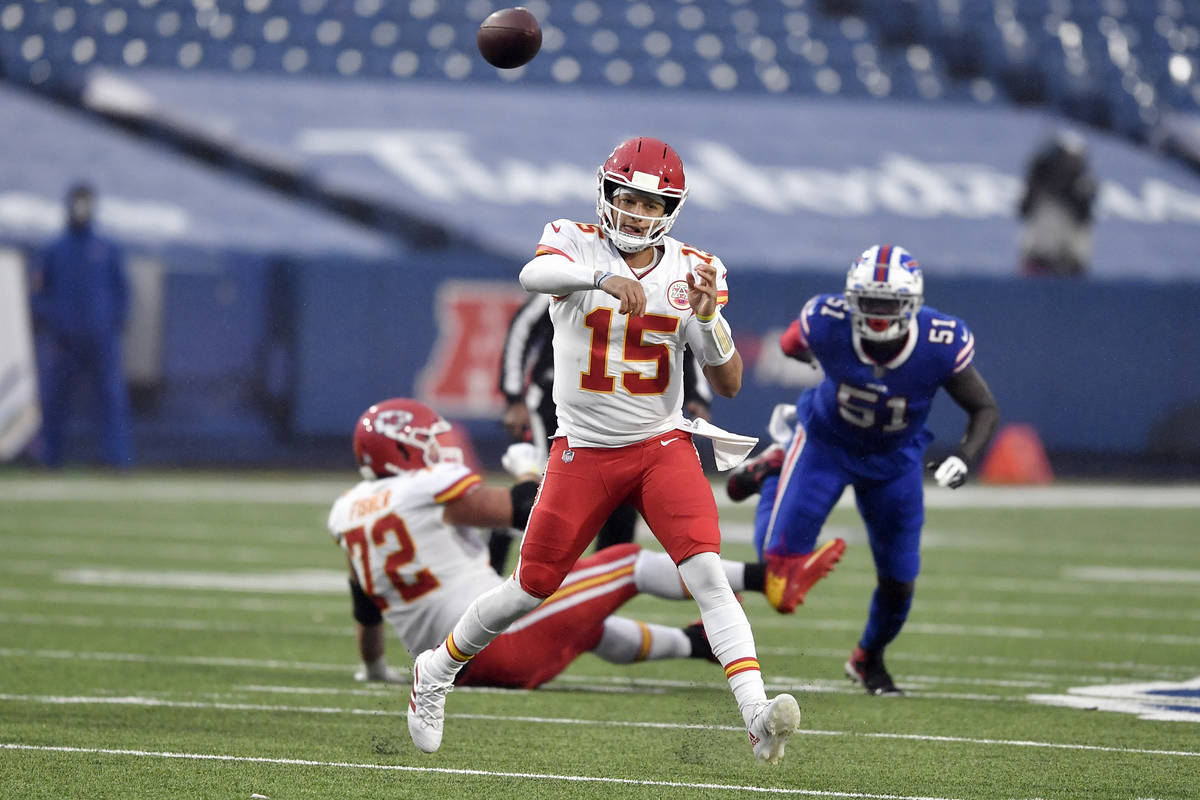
point(509, 37)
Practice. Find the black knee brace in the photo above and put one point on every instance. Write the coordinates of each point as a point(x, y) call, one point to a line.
point(897, 590)
point(523, 496)
point(365, 610)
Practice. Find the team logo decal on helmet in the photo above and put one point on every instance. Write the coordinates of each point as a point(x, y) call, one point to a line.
point(400, 435)
point(643, 166)
point(885, 290)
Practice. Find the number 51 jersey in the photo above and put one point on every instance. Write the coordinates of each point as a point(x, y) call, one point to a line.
point(619, 379)
point(868, 408)
point(421, 571)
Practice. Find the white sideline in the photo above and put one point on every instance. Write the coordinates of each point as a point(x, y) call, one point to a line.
point(450, 771)
point(155, 702)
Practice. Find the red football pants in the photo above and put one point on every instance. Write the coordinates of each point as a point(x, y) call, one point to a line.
point(539, 646)
point(661, 477)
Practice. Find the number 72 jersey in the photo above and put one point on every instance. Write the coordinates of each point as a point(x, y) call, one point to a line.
point(874, 408)
point(421, 571)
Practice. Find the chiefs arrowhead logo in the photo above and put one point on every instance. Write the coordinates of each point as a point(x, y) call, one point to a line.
point(677, 295)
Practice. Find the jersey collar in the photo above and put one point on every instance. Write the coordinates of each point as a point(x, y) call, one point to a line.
point(644, 271)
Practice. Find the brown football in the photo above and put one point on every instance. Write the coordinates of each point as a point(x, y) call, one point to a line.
point(509, 37)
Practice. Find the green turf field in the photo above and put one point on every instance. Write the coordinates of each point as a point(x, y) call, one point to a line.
point(190, 636)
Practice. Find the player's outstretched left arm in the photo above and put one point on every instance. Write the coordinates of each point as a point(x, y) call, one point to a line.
point(368, 625)
point(971, 393)
point(722, 362)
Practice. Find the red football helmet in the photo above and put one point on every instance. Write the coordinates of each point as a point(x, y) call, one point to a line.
point(400, 435)
point(647, 166)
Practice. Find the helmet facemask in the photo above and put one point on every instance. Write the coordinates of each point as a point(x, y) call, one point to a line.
point(881, 313)
point(613, 218)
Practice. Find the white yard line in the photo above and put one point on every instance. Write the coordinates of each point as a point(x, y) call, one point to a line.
point(154, 702)
point(172, 624)
point(83, 524)
point(306, 581)
point(912, 629)
point(318, 602)
point(535, 776)
point(1132, 575)
point(66, 596)
point(1072, 666)
point(984, 631)
point(122, 550)
point(206, 661)
point(273, 490)
point(201, 490)
point(642, 683)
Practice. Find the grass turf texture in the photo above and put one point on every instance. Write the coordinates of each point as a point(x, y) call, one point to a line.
point(115, 689)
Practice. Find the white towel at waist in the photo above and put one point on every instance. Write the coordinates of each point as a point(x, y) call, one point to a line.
point(730, 449)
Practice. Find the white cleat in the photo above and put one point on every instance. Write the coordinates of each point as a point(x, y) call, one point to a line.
point(426, 705)
point(771, 726)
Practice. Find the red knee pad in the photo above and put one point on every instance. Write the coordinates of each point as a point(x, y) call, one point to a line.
point(540, 580)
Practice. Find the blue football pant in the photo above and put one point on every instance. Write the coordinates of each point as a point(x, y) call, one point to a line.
point(794, 506)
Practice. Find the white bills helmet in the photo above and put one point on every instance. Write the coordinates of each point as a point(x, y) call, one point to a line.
point(884, 290)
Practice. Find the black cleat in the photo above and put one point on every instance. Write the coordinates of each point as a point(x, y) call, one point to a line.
point(699, 639)
point(748, 478)
point(867, 670)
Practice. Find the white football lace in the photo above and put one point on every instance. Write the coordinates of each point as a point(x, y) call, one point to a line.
point(426, 710)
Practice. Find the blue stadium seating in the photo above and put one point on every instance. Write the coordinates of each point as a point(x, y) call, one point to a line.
point(1118, 64)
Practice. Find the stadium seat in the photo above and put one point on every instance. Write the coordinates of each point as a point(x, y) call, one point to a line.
point(1080, 58)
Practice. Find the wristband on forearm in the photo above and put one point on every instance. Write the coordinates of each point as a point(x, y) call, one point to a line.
point(716, 341)
point(601, 278)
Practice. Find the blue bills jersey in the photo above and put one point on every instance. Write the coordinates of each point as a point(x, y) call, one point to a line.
point(870, 409)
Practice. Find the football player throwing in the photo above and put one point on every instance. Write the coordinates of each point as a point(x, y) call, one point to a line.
point(627, 299)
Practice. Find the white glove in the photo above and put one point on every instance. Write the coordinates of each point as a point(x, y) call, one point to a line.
point(379, 672)
point(521, 460)
point(782, 424)
point(951, 473)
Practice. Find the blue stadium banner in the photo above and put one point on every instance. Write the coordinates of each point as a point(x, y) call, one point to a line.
point(776, 185)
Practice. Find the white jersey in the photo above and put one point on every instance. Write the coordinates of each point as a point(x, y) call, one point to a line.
point(404, 553)
point(619, 379)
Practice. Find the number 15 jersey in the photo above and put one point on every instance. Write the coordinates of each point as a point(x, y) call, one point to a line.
point(619, 379)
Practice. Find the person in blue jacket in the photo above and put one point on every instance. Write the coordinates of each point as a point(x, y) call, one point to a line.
point(80, 304)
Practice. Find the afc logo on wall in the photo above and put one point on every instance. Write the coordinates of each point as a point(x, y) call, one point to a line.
point(462, 376)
